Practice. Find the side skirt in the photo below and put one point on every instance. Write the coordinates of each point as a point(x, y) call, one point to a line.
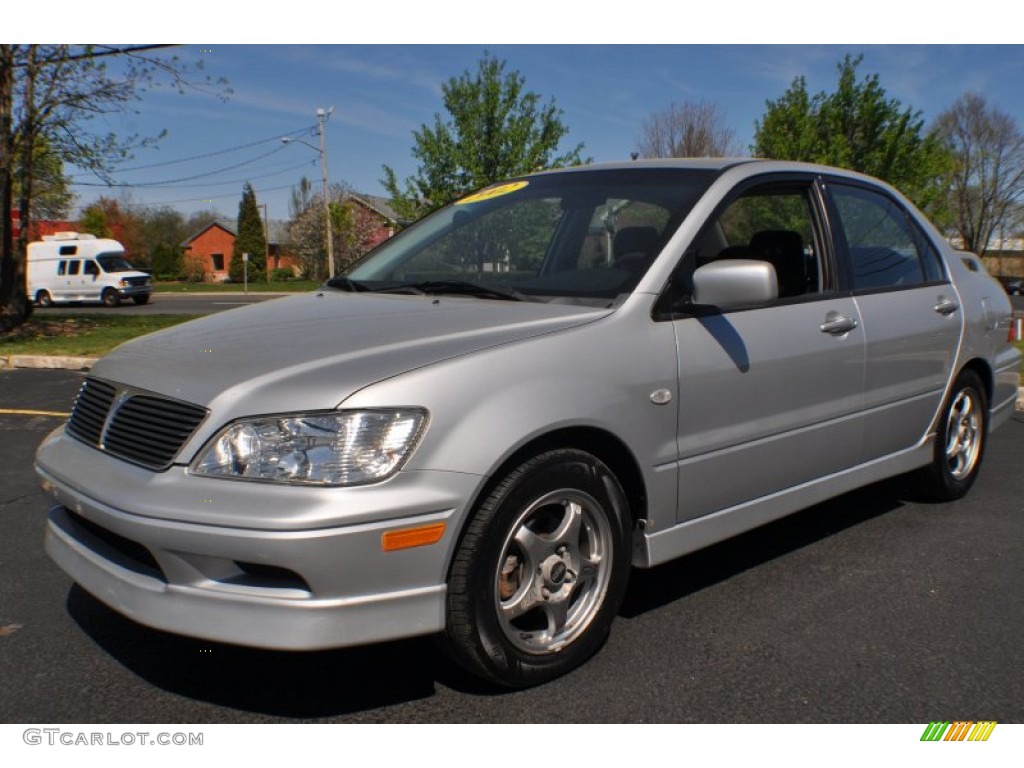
point(651, 549)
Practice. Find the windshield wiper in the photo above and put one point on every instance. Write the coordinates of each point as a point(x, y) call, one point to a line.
point(347, 284)
point(433, 287)
point(463, 288)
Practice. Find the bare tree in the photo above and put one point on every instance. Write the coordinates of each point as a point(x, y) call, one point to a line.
point(48, 93)
point(988, 177)
point(690, 129)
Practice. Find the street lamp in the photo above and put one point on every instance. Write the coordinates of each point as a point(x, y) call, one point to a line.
point(322, 115)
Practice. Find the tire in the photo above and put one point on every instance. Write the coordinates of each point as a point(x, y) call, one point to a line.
point(959, 441)
point(110, 298)
point(140, 300)
point(540, 572)
point(44, 299)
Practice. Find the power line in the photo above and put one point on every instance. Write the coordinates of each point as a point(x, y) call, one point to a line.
point(205, 199)
point(275, 137)
point(169, 182)
point(108, 51)
point(156, 185)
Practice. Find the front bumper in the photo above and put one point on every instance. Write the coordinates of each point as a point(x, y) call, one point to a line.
point(310, 586)
point(131, 291)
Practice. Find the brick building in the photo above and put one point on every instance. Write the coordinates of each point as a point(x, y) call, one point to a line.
point(213, 245)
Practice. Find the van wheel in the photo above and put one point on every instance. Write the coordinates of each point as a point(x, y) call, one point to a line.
point(540, 572)
point(110, 298)
point(44, 299)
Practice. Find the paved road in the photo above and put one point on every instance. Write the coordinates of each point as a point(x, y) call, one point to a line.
point(870, 608)
point(167, 304)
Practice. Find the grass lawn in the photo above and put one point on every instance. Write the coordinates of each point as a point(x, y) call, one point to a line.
point(292, 286)
point(83, 335)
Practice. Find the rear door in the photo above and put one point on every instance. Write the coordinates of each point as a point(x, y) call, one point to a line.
point(910, 310)
point(769, 398)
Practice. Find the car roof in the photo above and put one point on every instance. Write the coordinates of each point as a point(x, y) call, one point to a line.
point(711, 164)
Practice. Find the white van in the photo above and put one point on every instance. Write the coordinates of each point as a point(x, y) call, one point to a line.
point(72, 266)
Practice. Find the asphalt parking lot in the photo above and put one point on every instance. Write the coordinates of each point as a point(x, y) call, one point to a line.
point(869, 608)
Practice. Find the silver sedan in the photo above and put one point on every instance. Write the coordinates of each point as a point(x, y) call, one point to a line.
point(480, 428)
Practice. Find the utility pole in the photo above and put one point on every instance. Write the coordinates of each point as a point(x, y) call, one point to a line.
point(266, 241)
point(322, 116)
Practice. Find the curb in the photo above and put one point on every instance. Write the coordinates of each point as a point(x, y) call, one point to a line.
point(50, 362)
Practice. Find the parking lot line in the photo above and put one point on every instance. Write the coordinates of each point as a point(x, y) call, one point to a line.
point(24, 412)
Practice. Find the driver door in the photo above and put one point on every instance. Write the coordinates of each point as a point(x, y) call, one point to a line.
point(770, 397)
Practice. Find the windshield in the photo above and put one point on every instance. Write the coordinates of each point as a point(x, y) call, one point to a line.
point(589, 235)
point(114, 263)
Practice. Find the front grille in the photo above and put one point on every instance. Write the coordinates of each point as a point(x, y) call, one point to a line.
point(142, 428)
point(138, 281)
point(90, 412)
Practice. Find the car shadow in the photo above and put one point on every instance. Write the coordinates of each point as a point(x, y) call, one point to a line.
point(299, 685)
point(326, 684)
point(653, 588)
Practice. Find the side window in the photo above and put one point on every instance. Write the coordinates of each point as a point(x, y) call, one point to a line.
point(885, 249)
point(91, 268)
point(62, 267)
point(73, 267)
point(773, 224)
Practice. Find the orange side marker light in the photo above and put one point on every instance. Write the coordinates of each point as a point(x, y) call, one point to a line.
point(406, 538)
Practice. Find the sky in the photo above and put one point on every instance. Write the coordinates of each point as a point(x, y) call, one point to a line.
point(382, 92)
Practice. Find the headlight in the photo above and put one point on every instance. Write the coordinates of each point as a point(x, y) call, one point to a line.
point(337, 448)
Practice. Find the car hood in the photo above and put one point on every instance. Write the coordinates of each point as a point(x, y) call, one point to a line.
point(312, 351)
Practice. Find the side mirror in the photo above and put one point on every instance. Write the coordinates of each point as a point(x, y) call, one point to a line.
point(735, 284)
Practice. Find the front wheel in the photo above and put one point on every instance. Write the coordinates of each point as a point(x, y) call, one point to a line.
point(959, 441)
point(540, 572)
point(110, 298)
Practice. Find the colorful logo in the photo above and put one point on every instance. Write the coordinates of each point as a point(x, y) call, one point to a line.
point(961, 730)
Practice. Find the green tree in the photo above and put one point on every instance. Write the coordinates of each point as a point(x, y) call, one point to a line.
point(250, 239)
point(988, 175)
point(107, 217)
point(52, 197)
point(93, 221)
point(859, 128)
point(163, 232)
point(495, 130)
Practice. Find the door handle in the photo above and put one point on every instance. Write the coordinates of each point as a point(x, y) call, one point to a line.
point(946, 306)
point(837, 324)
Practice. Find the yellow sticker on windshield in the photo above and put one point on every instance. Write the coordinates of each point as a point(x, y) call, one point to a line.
point(498, 191)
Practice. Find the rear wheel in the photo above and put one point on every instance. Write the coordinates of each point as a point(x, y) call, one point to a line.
point(110, 298)
point(540, 572)
point(959, 441)
point(44, 299)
